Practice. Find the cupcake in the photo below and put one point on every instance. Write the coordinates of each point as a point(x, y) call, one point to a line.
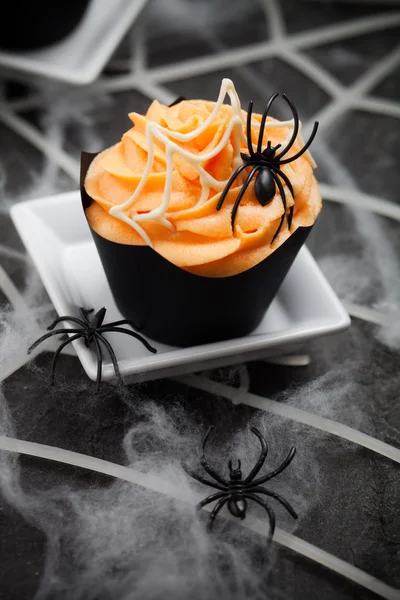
point(34, 25)
point(198, 214)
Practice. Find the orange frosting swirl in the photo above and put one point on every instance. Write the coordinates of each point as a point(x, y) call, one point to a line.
point(202, 241)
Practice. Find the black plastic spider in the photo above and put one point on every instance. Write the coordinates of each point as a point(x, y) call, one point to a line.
point(237, 490)
point(91, 330)
point(266, 165)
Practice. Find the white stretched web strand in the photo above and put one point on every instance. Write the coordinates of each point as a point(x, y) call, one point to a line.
point(23, 358)
point(11, 292)
point(292, 360)
point(29, 102)
point(302, 40)
point(356, 199)
point(318, 36)
point(9, 289)
point(162, 486)
point(17, 364)
point(275, 22)
point(380, 106)
point(68, 164)
point(370, 315)
point(324, 34)
point(152, 90)
point(138, 55)
point(299, 415)
point(262, 50)
point(9, 252)
point(343, 30)
point(377, 205)
point(313, 71)
point(244, 378)
point(333, 111)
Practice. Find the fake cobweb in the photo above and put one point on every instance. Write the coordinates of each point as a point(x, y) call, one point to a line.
point(94, 483)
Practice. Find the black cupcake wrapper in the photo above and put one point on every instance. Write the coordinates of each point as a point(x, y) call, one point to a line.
point(176, 307)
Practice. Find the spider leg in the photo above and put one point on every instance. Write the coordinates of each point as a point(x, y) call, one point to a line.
point(283, 198)
point(304, 148)
point(112, 355)
point(295, 127)
point(48, 335)
point(97, 320)
point(99, 362)
point(248, 129)
point(285, 504)
point(107, 328)
point(229, 184)
point(205, 481)
point(205, 464)
point(211, 499)
point(84, 314)
point(123, 322)
point(216, 510)
point(278, 470)
point(73, 319)
point(269, 510)
point(285, 178)
point(263, 119)
point(289, 184)
point(261, 460)
point(57, 354)
point(242, 192)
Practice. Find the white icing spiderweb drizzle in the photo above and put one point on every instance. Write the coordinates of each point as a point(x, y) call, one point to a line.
point(167, 137)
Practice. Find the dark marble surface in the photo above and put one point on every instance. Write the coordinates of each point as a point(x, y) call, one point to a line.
point(70, 533)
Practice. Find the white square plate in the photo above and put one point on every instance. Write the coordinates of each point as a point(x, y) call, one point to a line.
point(79, 58)
point(57, 236)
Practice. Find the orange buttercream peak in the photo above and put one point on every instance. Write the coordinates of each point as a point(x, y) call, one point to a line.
point(200, 239)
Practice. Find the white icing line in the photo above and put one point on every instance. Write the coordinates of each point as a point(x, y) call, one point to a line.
point(320, 35)
point(164, 487)
point(40, 141)
point(385, 208)
point(154, 130)
point(237, 396)
point(164, 135)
